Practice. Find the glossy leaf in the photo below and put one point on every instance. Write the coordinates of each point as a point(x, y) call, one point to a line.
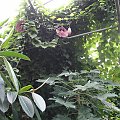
point(13, 54)
point(4, 106)
point(25, 88)
point(2, 89)
point(26, 105)
point(39, 101)
point(11, 96)
point(11, 74)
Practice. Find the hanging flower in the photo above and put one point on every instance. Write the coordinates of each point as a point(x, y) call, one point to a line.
point(62, 32)
point(20, 26)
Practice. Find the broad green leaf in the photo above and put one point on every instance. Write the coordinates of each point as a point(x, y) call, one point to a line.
point(6, 41)
point(65, 103)
point(39, 101)
point(11, 74)
point(3, 22)
point(107, 95)
point(26, 105)
point(11, 96)
point(110, 105)
point(94, 85)
point(25, 88)
point(4, 106)
point(13, 54)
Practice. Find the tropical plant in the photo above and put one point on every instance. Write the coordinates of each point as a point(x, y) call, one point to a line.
point(84, 95)
point(10, 89)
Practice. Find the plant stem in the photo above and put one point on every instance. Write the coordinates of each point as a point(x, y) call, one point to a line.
point(117, 3)
point(103, 29)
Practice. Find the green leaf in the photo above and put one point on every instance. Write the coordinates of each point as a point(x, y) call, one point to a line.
point(110, 105)
point(37, 113)
point(6, 80)
point(3, 22)
point(2, 89)
point(4, 106)
point(11, 96)
point(13, 54)
point(26, 105)
point(11, 74)
point(84, 113)
point(65, 103)
point(25, 88)
point(94, 85)
point(6, 41)
point(39, 101)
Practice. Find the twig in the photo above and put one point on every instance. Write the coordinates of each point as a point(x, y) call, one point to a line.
point(40, 86)
point(117, 3)
point(103, 29)
point(48, 2)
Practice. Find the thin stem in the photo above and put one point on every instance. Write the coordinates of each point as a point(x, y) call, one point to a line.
point(48, 2)
point(103, 29)
point(41, 85)
point(117, 3)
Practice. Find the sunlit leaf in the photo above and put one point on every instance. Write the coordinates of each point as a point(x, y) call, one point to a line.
point(11, 96)
point(25, 88)
point(26, 105)
point(6, 41)
point(11, 74)
point(13, 54)
point(39, 101)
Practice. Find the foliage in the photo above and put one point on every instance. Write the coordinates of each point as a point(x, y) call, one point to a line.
point(10, 87)
point(93, 44)
point(84, 93)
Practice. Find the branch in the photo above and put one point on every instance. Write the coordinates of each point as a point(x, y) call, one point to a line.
point(48, 2)
point(87, 33)
point(117, 3)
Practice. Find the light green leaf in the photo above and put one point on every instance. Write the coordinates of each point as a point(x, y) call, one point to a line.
point(25, 88)
point(39, 101)
point(3, 22)
point(11, 74)
point(26, 105)
point(13, 54)
point(6, 41)
point(11, 96)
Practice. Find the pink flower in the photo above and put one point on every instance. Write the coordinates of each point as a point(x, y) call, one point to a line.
point(20, 26)
point(62, 32)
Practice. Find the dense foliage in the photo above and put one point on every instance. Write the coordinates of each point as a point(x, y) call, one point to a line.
point(77, 75)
